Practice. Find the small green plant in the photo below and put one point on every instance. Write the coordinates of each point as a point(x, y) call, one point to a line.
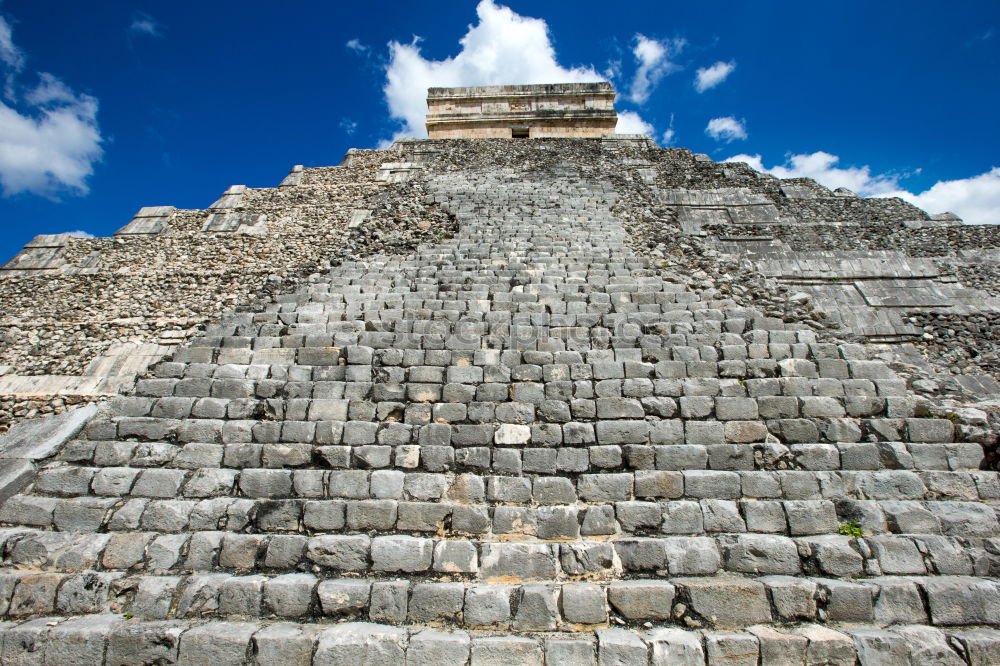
point(851, 529)
point(952, 416)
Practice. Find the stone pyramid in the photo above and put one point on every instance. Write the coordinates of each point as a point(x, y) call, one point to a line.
point(573, 431)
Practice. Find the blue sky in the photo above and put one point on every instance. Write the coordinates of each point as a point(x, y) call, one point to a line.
point(110, 106)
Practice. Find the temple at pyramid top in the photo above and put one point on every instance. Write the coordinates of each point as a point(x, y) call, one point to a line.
point(566, 110)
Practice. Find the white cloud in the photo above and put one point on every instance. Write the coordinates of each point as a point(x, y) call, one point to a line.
point(11, 56)
point(709, 77)
point(822, 167)
point(502, 48)
point(50, 90)
point(356, 45)
point(349, 126)
point(613, 69)
point(49, 138)
point(669, 136)
point(80, 233)
point(975, 199)
point(144, 24)
point(654, 63)
point(726, 129)
point(630, 122)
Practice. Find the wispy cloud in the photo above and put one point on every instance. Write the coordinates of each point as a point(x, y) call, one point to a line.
point(708, 77)
point(726, 129)
point(654, 59)
point(144, 24)
point(356, 46)
point(349, 126)
point(613, 69)
point(10, 56)
point(669, 135)
point(49, 138)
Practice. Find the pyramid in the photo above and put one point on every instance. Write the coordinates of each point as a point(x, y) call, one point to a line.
point(504, 401)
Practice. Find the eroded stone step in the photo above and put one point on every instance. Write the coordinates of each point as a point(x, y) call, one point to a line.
point(711, 602)
point(936, 488)
point(473, 448)
point(565, 555)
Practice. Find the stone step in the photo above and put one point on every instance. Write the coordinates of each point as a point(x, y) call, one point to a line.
point(550, 512)
point(117, 641)
point(888, 433)
point(798, 376)
point(471, 449)
point(355, 397)
point(690, 484)
point(187, 546)
point(704, 602)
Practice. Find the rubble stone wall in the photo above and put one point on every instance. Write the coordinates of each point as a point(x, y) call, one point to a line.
point(143, 286)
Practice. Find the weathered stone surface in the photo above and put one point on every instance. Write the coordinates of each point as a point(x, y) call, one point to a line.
point(508, 387)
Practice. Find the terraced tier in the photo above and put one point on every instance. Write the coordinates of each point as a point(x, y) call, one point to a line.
point(522, 445)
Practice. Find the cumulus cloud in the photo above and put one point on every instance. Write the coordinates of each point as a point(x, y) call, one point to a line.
point(726, 129)
point(630, 122)
point(822, 167)
point(975, 199)
point(80, 233)
point(709, 77)
point(502, 48)
point(144, 24)
point(49, 138)
point(654, 62)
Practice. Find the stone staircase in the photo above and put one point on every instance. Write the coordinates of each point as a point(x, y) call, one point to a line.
point(519, 446)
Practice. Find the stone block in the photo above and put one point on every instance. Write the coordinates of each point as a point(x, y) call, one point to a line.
point(498, 650)
point(345, 553)
point(732, 648)
point(401, 553)
point(79, 641)
point(724, 602)
point(642, 600)
point(583, 603)
point(290, 595)
point(216, 644)
point(360, 643)
point(434, 648)
point(619, 646)
point(143, 643)
point(433, 602)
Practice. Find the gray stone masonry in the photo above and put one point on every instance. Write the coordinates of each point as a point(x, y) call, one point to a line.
point(530, 443)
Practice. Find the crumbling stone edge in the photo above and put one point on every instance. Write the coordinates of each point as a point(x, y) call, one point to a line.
point(37, 439)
